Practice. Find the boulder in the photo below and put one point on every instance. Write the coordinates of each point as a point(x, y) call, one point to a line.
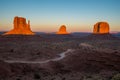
point(101, 28)
point(20, 27)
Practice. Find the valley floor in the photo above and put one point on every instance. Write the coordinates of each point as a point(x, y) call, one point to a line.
point(59, 57)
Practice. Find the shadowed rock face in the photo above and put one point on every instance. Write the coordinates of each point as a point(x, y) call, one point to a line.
point(101, 28)
point(20, 27)
point(62, 30)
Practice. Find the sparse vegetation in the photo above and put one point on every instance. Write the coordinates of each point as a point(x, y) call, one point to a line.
point(92, 56)
point(37, 76)
point(116, 77)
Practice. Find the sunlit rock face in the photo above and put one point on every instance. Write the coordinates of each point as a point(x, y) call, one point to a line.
point(101, 28)
point(20, 27)
point(62, 30)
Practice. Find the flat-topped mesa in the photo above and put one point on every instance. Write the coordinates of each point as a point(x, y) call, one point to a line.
point(101, 28)
point(20, 27)
point(62, 30)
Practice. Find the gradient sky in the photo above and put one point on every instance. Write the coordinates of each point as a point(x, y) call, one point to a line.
point(49, 15)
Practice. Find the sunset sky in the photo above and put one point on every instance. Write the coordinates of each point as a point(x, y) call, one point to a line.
point(49, 15)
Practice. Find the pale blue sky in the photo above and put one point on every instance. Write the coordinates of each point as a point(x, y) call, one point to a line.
point(48, 15)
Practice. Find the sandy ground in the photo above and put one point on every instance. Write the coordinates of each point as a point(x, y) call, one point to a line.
point(94, 57)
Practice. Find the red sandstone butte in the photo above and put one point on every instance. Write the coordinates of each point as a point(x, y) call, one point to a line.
point(62, 30)
point(101, 28)
point(20, 27)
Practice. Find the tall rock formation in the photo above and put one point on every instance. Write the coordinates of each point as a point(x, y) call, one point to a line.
point(62, 30)
point(101, 28)
point(20, 27)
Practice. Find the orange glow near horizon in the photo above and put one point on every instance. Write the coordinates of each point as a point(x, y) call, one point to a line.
point(48, 28)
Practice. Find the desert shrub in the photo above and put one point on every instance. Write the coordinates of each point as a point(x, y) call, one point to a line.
point(18, 79)
point(12, 50)
point(116, 77)
point(63, 79)
point(37, 76)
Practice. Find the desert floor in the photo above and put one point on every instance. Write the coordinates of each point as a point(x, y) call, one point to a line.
point(59, 57)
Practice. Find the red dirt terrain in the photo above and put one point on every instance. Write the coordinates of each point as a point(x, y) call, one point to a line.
point(94, 57)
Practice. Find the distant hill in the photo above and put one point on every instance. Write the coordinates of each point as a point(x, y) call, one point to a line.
point(75, 34)
point(38, 33)
point(53, 34)
point(117, 34)
point(80, 34)
point(2, 32)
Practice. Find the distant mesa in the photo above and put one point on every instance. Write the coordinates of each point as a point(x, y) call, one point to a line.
point(20, 27)
point(62, 30)
point(101, 28)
